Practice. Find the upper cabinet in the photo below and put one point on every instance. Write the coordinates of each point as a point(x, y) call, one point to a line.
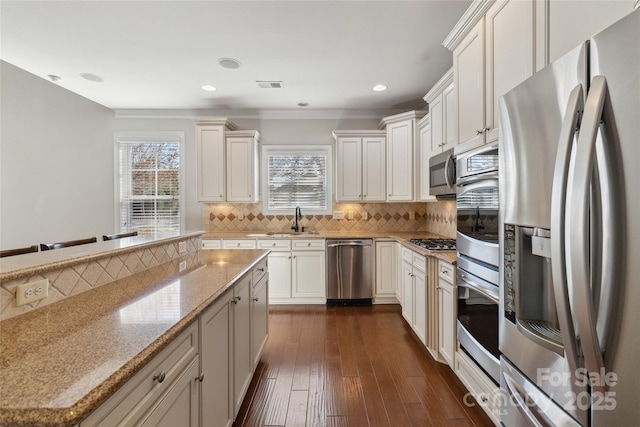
point(360, 166)
point(442, 113)
point(227, 162)
point(489, 59)
point(242, 166)
point(425, 141)
point(498, 44)
point(402, 161)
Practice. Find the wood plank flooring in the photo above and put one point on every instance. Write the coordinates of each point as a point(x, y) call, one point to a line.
point(351, 366)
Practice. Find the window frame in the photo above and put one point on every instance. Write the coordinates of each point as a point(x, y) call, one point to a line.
point(326, 150)
point(142, 136)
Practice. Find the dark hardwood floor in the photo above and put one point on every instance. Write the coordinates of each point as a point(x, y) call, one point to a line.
point(351, 366)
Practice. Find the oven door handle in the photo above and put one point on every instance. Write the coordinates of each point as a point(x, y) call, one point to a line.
point(465, 282)
point(461, 182)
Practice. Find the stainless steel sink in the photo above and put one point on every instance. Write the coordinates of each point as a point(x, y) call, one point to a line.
point(290, 233)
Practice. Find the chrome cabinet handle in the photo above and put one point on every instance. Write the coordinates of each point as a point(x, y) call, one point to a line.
point(160, 377)
point(255, 299)
point(238, 297)
point(478, 132)
point(200, 378)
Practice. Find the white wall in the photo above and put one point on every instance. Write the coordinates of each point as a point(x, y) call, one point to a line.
point(56, 170)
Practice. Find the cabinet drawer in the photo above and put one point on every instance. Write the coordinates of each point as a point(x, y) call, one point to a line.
point(275, 244)
point(308, 245)
point(211, 244)
point(238, 244)
point(128, 404)
point(259, 271)
point(445, 270)
point(407, 255)
point(420, 262)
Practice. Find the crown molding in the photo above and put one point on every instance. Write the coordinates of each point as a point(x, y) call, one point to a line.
point(306, 114)
point(469, 19)
point(357, 133)
point(440, 86)
point(414, 114)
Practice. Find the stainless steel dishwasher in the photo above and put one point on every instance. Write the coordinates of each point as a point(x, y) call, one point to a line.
point(349, 275)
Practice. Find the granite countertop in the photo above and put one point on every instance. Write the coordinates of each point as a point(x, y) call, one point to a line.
point(59, 362)
point(402, 237)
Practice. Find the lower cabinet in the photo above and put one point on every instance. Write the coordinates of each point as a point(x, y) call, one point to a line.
point(447, 296)
point(201, 378)
point(414, 292)
point(385, 290)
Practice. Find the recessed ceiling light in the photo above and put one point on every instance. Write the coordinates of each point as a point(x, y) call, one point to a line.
point(208, 88)
point(303, 104)
point(91, 77)
point(379, 88)
point(229, 63)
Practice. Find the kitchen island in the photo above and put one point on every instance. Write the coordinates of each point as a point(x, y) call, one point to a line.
point(59, 362)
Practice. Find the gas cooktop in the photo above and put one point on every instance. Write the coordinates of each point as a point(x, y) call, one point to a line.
point(435, 244)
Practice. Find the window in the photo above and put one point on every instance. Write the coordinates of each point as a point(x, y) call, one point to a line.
point(149, 188)
point(296, 176)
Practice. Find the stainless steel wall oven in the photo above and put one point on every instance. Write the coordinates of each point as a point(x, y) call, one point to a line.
point(477, 206)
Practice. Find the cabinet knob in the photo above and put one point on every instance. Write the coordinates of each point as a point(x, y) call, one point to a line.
point(487, 129)
point(261, 270)
point(160, 377)
point(200, 377)
point(238, 297)
point(478, 132)
point(255, 299)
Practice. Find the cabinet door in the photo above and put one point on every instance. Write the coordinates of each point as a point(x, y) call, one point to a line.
point(180, 405)
point(385, 269)
point(243, 361)
point(424, 135)
point(374, 169)
point(400, 161)
point(241, 174)
point(468, 63)
point(259, 319)
point(279, 275)
point(447, 321)
point(436, 112)
point(349, 166)
point(308, 273)
point(216, 363)
point(399, 272)
point(211, 163)
point(407, 292)
point(450, 122)
point(211, 244)
point(510, 53)
point(420, 305)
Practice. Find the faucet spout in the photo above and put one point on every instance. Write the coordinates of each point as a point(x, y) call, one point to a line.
point(297, 216)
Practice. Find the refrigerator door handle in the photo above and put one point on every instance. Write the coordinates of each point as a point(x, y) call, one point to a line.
point(575, 105)
point(578, 224)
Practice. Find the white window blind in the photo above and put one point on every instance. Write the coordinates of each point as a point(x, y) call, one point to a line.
point(297, 177)
point(149, 190)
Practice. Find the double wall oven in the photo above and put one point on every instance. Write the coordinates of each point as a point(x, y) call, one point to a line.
point(477, 206)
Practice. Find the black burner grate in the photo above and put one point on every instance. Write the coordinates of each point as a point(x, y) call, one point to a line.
point(435, 244)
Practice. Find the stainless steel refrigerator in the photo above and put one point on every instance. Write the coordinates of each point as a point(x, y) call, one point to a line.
point(570, 238)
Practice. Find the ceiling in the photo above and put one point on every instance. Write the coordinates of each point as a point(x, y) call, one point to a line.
point(156, 55)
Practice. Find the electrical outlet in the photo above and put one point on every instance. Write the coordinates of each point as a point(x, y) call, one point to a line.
point(338, 214)
point(182, 247)
point(412, 215)
point(240, 216)
point(350, 216)
point(365, 215)
point(183, 265)
point(31, 292)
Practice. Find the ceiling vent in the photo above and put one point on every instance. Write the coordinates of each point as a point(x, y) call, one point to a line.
point(270, 85)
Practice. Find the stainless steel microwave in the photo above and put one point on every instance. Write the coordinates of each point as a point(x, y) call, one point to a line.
point(442, 174)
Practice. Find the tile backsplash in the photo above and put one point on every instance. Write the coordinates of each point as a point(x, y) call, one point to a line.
point(438, 217)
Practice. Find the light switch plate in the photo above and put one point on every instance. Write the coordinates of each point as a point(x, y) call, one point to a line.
point(182, 247)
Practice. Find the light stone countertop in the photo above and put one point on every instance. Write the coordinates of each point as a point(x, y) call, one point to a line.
point(59, 362)
point(402, 237)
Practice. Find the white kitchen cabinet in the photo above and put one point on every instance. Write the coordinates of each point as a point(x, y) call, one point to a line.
point(424, 136)
point(211, 159)
point(211, 244)
point(297, 270)
point(402, 163)
point(242, 357)
point(442, 110)
point(385, 271)
point(238, 244)
point(399, 273)
point(259, 310)
point(360, 166)
point(158, 390)
point(489, 59)
point(414, 286)
point(216, 325)
point(242, 166)
point(447, 296)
